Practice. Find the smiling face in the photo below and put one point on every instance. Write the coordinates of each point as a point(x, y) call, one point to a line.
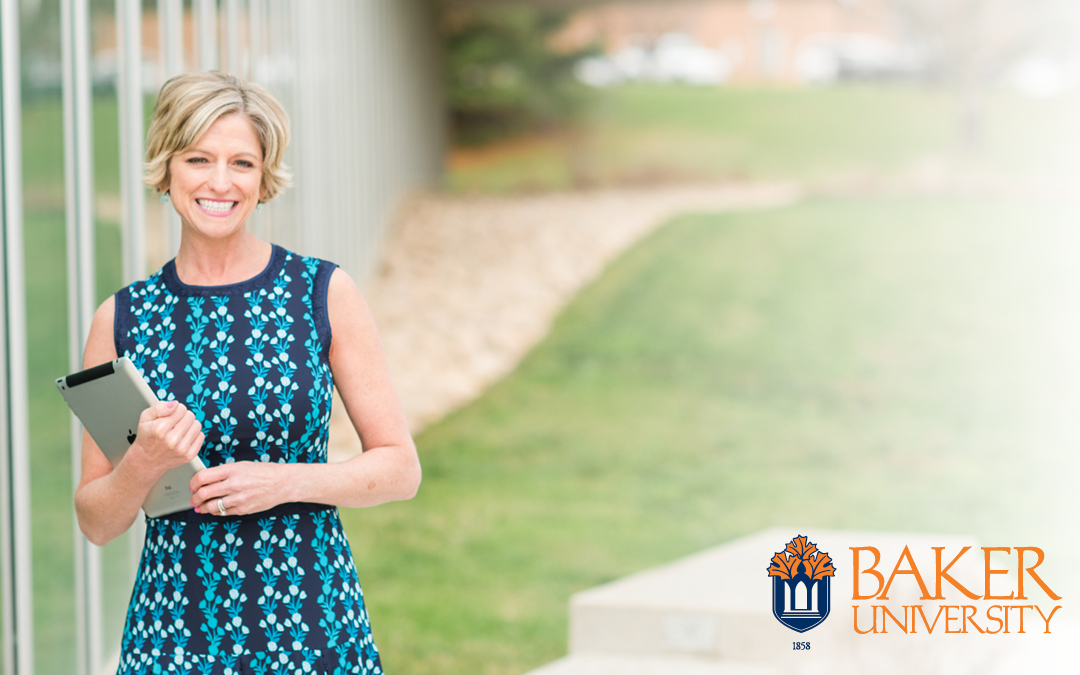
point(217, 183)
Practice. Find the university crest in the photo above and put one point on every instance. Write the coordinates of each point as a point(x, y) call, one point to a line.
point(800, 578)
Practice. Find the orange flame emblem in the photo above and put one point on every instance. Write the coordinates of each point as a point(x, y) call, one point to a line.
point(816, 564)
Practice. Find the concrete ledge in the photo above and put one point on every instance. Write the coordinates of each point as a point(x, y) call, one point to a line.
point(606, 664)
point(711, 614)
point(718, 603)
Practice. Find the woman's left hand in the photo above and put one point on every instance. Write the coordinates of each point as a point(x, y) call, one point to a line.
point(241, 487)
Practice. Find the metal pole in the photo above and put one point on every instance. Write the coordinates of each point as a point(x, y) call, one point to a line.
point(79, 191)
point(256, 26)
point(171, 32)
point(383, 130)
point(280, 78)
point(8, 632)
point(132, 193)
point(232, 37)
point(354, 169)
point(335, 127)
point(206, 29)
point(17, 591)
point(171, 36)
point(133, 210)
point(306, 125)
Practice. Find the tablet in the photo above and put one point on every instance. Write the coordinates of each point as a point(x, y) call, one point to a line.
point(108, 400)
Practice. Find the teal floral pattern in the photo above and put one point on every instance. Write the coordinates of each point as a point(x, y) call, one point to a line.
point(275, 592)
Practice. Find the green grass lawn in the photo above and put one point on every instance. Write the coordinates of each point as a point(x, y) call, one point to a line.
point(654, 134)
point(852, 363)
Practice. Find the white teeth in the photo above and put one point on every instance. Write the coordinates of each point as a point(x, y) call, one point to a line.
point(220, 207)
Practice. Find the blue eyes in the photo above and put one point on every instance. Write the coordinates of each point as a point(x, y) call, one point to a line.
point(240, 162)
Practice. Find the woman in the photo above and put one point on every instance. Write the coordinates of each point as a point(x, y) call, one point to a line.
point(243, 342)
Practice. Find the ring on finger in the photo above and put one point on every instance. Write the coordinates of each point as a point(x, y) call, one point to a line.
point(220, 506)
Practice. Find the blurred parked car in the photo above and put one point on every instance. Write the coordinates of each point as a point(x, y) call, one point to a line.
point(678, 58)
point(823, 58)
point(675, 57)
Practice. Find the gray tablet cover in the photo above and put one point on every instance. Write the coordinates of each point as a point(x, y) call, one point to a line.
point(108, 400)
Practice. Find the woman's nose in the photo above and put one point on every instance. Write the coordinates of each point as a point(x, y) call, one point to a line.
point(219, 180)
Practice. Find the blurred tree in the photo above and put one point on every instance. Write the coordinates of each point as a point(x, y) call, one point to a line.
point(970, 43)
point(504, 77)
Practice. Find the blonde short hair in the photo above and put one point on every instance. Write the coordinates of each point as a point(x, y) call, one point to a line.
point(189, 104)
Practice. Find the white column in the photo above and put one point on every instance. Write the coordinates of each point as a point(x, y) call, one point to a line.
point(171, 36)
point(15, 571)
point(129, 94)
point(79, 193)
point(207, 32)
point(132, 192)
point(171, 41)
point(233, 62)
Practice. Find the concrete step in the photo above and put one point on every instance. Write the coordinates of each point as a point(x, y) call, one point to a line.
point(711, 614)
point(607, 664)
point(718, 603)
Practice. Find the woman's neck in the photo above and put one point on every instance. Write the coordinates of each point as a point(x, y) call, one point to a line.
point(217, 262)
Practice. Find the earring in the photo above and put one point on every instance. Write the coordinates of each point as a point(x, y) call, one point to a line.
point(165, 197)
point(259, 207)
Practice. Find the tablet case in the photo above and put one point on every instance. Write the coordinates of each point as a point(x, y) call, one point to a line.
point(108, 400)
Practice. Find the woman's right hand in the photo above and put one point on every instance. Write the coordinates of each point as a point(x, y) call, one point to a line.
point(108, 498)
point(168, 436)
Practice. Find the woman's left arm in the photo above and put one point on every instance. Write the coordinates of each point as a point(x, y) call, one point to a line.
point(388, 469)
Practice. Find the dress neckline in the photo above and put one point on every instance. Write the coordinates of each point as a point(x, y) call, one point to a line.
point(174, 284)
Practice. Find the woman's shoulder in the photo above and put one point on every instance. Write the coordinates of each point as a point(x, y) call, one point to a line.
point(317, 275)
point(312, 263)
point(152, 284)
point(311, 279)
point(136, 303)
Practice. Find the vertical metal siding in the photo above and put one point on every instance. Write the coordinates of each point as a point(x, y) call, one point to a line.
point(170, 64)
point(78, 184)
point(129, 93)
point(360, 80)
point(233, 62)
point(206, 29)
point(15, 572)
point(132, 194)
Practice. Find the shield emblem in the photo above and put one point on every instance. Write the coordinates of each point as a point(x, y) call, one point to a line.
point(800, 603)
point(801, 575)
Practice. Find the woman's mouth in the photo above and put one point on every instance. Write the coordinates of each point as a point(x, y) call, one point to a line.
point(214, 207)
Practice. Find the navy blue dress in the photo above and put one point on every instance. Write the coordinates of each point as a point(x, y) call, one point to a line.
point(271, 592)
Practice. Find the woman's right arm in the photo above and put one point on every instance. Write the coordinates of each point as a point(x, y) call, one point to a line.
point(107, 500)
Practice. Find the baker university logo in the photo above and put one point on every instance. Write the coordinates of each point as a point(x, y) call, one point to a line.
point(800, 584)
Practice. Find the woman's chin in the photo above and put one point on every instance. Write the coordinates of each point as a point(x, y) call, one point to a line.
point(209, 227)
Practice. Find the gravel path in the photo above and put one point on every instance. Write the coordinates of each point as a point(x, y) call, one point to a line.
point(468, 285)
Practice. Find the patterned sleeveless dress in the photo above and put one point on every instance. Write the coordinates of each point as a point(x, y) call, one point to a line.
point(271, 592)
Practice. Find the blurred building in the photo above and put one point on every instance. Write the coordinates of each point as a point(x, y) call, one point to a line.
point(784, 41)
